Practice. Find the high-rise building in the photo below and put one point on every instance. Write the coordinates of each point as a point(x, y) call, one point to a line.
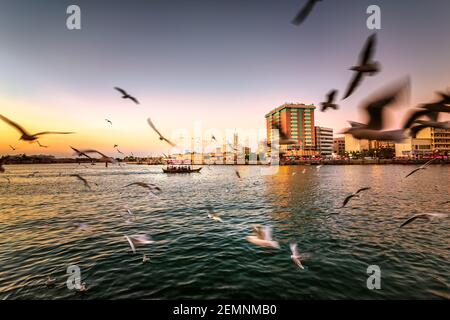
point(296, 121)
point(339, 146)
point(324, 141)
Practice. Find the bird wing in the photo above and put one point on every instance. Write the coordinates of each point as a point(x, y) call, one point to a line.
point(413, 218)
point(267, 231)
point(353, 84)
point(347, 199)
point(304, 12)
point(121, 91)
point(331, 96)
point(134, 99)
point(131, 244)
point(294, 251)
point(169, 142)
point(375, 111)
point(153, 127)
point(369, 49)
point(15, 125)
point(412, 172)
point(415, 130)
point(362, 189)
point(51, 132)
point(428, 163)
point(415, 115)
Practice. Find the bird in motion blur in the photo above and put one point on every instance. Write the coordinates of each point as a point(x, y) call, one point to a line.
point(422, 167)
point(356, 194)
point(145, 258)
point(375, 107)
point(40, 145)
point(138, 240)
point(12, 148)
point(330, 104)
point(366, 65)
point(304, 12)
point(28, 136)
point(153, 188)
point(161, 137)
point(263, 237)
point(85, 182)
point(425, 216)
point(431, 111)
point(109, 121)
point(295, 256)
point(212, 215)
point(125, 95)
point(104, 158)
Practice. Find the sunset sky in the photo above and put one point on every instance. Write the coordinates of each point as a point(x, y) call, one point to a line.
point(225, 63)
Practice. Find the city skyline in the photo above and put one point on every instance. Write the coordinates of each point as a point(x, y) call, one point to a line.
point(191, 64)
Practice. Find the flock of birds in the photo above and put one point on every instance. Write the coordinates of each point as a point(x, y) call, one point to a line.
point(372, 130)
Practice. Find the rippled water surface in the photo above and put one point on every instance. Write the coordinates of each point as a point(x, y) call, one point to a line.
point(194, 257)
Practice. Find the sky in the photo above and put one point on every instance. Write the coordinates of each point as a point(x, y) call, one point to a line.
point(221, 63)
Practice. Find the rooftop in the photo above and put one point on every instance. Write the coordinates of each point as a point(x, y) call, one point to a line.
point(291, 106)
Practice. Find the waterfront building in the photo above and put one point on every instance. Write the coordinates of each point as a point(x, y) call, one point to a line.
point(427, 142)
point(296, 121)
point(339, 146)
point(324, 141)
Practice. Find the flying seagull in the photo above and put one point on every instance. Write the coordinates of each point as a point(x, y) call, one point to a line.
point(138, 240)
point(104, 157)
point(145, 258)
point(356, 194)
point(79, 153)
point(119, 151)
point(427, 216)
point(212, 215)
point(422, 167)
point(148, 186)
point(115, 146)
point(86, 184)
point(375, 107)
point(109, 121)
point(366, 65)
point(263, 237)
point(160, 135)
point(430, 110)
point(237, 174)
point(27, 136)
point(304, 12)
point(213, 138)
point(283, 137)
point(12, 148)
point(295, 256)
point(330, 101)
point(125, 95)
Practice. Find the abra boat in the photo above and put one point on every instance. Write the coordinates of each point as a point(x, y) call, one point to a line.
point(179, 167)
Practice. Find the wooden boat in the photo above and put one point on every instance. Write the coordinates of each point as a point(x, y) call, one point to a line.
point(180, 170)
point(180, 166)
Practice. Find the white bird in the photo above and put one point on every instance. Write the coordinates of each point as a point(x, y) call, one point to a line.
point(356, 194)
point(295, 256)
point(304, 171)
point(263, 237)
point(138, 240)
point(319, 166)
point(213, 216)
point(294, 173)
point(427, 216)
point(422, 167)
point(145, 258)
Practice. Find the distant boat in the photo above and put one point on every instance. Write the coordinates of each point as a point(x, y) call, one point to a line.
point(174, 166)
